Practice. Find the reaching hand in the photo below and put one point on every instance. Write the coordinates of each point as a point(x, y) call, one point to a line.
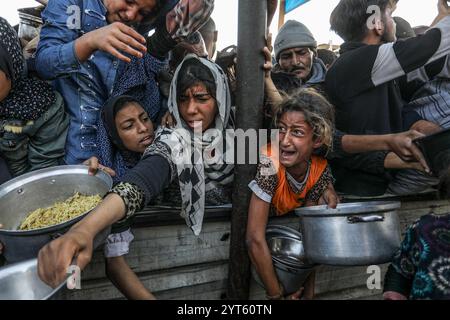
point(267, 50)
point(94, 165)
point(402, 145)
point(55, 258)
point(329, 197)
point(168, 120)
point(117, 38)
point(296, 295)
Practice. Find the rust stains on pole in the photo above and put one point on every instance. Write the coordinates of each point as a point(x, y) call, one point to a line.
point(252, 18)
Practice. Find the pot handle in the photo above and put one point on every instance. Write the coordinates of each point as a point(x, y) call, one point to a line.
point(358, 219)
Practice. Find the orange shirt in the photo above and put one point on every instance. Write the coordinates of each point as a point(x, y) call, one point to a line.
point(285, 199)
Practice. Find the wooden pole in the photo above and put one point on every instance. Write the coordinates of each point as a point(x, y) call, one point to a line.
point(282, 13)
point(252, 19)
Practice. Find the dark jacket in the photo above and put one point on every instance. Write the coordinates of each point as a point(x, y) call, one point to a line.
point(363, 85)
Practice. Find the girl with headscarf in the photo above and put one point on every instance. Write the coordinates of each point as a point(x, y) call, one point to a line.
point(126, 131)
point(129, 132)
point(33, 124)
point(199, 101)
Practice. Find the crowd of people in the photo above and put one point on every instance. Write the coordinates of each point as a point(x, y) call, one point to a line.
point(110, 96)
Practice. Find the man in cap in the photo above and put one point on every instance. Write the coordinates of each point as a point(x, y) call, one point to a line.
point(296, 55)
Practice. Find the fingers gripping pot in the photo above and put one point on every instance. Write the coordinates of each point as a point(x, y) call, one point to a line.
point(41, 189)
point(291, 267)
point(353, 234)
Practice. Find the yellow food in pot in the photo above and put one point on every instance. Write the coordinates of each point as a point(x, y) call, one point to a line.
point(60, 212)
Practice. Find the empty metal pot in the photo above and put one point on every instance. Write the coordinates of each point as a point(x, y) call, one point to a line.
point(353, 234)
point(40, 189)
point(286, 248)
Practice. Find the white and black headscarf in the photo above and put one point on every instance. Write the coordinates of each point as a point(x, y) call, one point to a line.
point(198, 178)
point(29, 98)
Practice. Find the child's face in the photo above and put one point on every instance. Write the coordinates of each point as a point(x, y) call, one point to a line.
point(197, 107)
point(134, 127)
point(296, 140)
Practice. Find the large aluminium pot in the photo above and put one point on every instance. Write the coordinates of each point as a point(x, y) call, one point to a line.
point(353, 234)
point(20, 281)
point(286, 248)
point(40, 189)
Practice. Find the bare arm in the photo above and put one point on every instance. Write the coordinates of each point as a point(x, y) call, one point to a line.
point(57, 256)
point(400, 143)
point(121, 275)
point(257, 246)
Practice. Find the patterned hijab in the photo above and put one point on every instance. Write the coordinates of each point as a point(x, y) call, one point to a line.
point(197, 178)
point(29, 98)
point(136, 79)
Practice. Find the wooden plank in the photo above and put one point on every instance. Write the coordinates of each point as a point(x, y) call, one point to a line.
point(165, 281)
point(158, 248)
point(175, 264)
point(164, 216)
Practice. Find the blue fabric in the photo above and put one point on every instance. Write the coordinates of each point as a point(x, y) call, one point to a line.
point(84, 86)
point(137, 79)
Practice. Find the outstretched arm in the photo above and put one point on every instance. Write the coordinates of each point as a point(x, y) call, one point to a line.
point(55, 258)
point(258, 214)
point(146, 180)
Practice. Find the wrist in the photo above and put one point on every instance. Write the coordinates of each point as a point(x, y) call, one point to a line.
point(386, 144)
point(278, 296)
point(81, 231)
point(88, 42)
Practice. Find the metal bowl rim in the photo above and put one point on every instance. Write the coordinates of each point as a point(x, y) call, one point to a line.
point(13, 184)
point(24, 266)
point(350, 208)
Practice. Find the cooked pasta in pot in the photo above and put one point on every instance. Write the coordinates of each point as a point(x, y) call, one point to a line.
point(60, 212)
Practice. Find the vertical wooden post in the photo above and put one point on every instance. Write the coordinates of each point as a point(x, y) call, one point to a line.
point(282, 13)
point(250, 98)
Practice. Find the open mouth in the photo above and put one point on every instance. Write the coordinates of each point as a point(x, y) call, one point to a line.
point(194, 124)
point(287, 154)
point(147, 140)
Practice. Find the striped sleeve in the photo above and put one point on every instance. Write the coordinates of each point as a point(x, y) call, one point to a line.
point(402, 57)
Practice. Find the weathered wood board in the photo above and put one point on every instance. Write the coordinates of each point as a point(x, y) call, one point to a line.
point(174, 264)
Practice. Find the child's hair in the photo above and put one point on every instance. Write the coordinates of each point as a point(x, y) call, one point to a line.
point(318, 112)
point(193, 72)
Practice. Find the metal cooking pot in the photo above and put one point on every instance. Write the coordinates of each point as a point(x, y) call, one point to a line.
point(40, 189)
point(20, 281)
point(291, 267)
point(353, 234)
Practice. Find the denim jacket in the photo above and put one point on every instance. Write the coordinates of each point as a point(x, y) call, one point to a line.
point(84, 86)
